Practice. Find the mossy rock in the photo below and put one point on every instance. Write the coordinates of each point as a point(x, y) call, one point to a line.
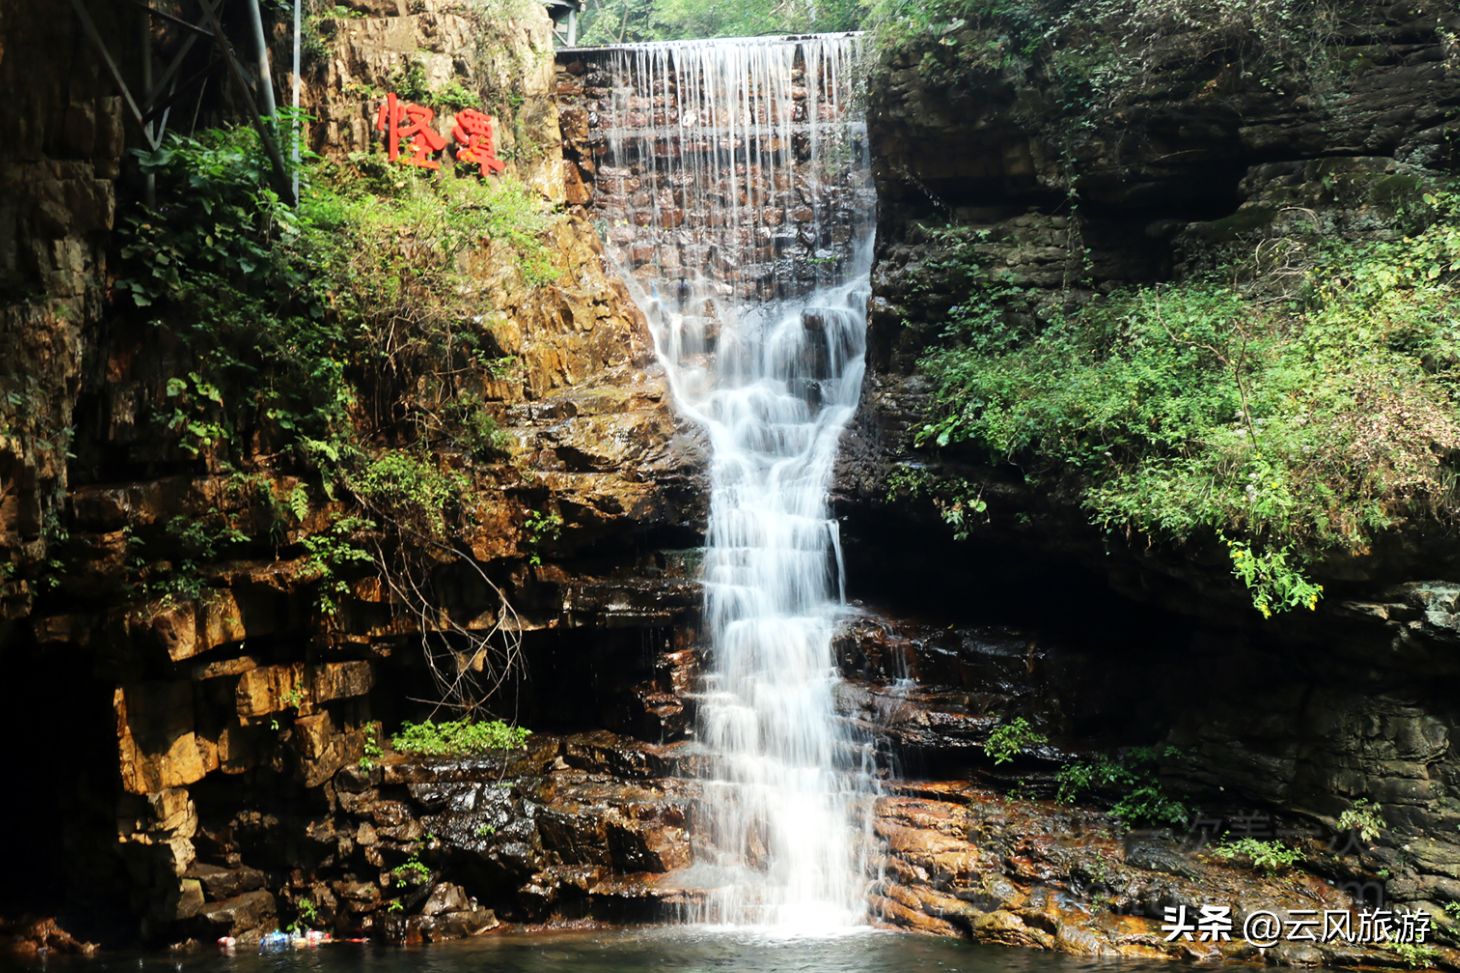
point(1248, 219)
point(1396, 190)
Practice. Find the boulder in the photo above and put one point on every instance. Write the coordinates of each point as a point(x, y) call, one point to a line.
point(245, 916)
point(219, 883)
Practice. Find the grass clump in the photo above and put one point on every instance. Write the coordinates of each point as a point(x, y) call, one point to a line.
point(410, 489)
point(413, 871)
point(459, 737)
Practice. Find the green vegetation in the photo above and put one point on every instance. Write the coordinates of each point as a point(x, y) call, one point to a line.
point(1099, 53)
point(328, 555)
point(476, 431)
point(224, 274)
point(410, 490)
point(1008, 740)
point(1363, 818)
point(297, 326)
point(957, 501)
point(540, 527)
point(1132, 779)
point(1416, 956)
point(412, 871)
point(370, 751)
point(617, 21)
point(459, 737)
point(1270, 857)
point(410, 84)
point(294, 697)
point(343, 347)
point(171, 564)
point(306, 914)
point(1289, 429)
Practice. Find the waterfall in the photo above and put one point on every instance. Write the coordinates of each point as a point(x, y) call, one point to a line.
point(734, 180)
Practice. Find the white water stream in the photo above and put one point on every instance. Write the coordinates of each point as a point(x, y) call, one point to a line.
point(746, 167)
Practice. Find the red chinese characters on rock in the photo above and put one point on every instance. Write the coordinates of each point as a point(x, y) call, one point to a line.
point(473, 132)
point(408, 126)
point(411, 123)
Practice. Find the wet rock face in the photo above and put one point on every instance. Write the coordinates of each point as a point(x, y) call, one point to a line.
point(791, 228)
point(968, 862)
point(979, 849)
point(424, 849)
point(1272, 756)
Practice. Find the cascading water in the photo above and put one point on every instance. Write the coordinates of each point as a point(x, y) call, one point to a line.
point(744, 219)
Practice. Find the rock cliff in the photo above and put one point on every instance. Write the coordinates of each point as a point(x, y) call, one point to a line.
point(205, 776)
point(1063, 190)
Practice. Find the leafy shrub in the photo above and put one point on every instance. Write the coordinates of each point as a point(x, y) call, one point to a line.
point(412, 871)
point(306, 915)
point(425, 340)
point(370, 751)
point(410, 490)
point(459, 737)
point(1266, 856)
point(328, 555)
point(1008, 740)
point(1363, 818)
point(1275, 583)
point(479, 435)
point(228, 271)
point(410, 84)
point(172, 562)
point(957, 501)
point(540, 527)
point(349, 340)
point(1131, 778)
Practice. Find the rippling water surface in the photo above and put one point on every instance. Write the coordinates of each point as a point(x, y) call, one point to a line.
point(668, 949)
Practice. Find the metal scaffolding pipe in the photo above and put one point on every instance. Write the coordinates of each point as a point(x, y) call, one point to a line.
point(297, 120)
point(261, 45)
point(261, 124)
